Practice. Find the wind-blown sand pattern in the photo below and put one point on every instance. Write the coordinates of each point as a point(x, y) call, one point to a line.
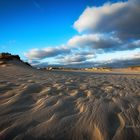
point(57, 105)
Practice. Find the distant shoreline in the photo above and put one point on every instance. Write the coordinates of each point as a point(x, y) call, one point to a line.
point(99, 72)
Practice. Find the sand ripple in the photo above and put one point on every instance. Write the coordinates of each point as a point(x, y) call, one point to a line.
point(68, 105)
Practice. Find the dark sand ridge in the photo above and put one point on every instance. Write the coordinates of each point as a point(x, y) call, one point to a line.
point(57, 105)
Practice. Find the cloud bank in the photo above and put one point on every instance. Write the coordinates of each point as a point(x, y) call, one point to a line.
point(47, 52)
point(95, 41)
point(106, 29)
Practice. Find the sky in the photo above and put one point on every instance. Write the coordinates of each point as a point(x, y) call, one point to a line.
point(72, 33)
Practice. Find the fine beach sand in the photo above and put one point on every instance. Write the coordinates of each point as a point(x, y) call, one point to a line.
point(58, 105)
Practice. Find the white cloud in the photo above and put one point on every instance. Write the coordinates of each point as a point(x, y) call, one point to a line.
point(92, 16)
point(76, 57)
point(46, 52)
point(83, 40)
point(109, 28)
point(95, 41)
point(121, 18)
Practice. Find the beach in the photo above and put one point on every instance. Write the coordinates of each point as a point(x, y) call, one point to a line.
point(63, 105)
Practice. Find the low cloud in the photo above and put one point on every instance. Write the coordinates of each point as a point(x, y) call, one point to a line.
point(73, 59)
point(95, 41)
point(33, 62)
point(82, 62)
point(126, 61)
point(122, 63)
point(47, 52)
point(84, 40)
point(76, 58)
point(106, 43)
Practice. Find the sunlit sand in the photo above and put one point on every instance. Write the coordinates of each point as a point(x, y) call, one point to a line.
point(58, 105)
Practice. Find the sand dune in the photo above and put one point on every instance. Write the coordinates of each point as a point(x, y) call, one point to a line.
point(56, 105)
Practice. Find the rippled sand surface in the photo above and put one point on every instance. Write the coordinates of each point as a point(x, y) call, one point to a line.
point(56, 105)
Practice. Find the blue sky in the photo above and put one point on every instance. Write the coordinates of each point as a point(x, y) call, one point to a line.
point(28, 27)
